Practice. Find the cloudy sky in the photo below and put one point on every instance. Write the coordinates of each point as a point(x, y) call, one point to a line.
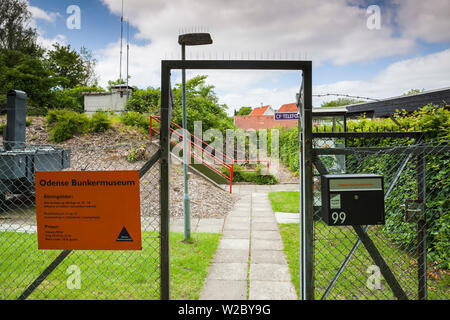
point(375, 49)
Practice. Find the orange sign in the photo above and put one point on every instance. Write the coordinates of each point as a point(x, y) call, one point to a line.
point(88, 210)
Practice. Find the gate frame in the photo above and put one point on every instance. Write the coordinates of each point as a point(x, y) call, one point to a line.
point(305, 66)
point(65, 253)
point(414, 150)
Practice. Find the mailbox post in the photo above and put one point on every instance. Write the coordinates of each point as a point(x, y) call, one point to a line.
point(352, 199)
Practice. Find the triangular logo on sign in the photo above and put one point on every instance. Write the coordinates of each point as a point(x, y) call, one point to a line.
point(124, 235)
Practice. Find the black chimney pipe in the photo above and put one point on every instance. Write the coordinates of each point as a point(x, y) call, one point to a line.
point(15, 120)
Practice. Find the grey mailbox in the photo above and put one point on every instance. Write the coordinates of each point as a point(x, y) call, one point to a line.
point(352, 199)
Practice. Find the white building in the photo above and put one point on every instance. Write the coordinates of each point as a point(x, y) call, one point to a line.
point(113, 101)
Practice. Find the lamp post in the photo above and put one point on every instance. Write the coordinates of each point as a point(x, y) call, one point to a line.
point(188, 39)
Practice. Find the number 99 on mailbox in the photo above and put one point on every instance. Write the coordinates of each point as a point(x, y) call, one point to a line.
point(352, 199)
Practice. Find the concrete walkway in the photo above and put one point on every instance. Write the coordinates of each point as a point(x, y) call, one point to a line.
point(250, 262)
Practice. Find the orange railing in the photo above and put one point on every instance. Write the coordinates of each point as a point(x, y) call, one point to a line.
point(198, 144)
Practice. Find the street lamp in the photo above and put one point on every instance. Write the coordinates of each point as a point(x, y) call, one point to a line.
point(188, 39)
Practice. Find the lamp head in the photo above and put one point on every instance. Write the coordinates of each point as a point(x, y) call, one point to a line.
point(194, 39)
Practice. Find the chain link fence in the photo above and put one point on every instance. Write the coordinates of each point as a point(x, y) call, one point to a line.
point(82, 274)
point(343, 268)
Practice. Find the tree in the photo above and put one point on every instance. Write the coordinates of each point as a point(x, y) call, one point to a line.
point(72, 98)
point(112, 83)
point(413, 91)
point(15, 30)
point(24, 65)
point(89, 64)
point(27, 73)
point(20, 56)
point(145, 100)
point(340, 102)
point(202, 105)
point(76, 68)
point(244, 111)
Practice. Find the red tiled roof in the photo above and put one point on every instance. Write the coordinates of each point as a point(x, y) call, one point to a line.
point(262, 122)
point(259, 111)
point(289, 107)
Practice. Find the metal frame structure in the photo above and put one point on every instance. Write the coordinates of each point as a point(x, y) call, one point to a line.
point(65, 253)
point(166, 110)
point(312, 156)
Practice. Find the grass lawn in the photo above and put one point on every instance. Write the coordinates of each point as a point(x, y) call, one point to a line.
point(106, 274)
point(332, 244)
point(285, 201)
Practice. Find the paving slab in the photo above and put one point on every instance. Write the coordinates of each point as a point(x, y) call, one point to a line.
point(224, 290)
point(269, 272)
point(270, 219)
point(261, 213)
point(231, 256)
point(250, 251)
point(227, 271)
point(236, 234)
point(268, 256)
point(239, 213)
point(242, 219)
point(236, 226)
point(267, 235)
point(264, 226)
point(238, 244)
point(264, 244)
point(272, 290)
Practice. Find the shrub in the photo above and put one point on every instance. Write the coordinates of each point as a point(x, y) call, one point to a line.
point(256, 177)
point(135, 119)
point(64, 124)
point(100, 122)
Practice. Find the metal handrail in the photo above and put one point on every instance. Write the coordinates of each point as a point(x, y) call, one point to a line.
point(196, 146)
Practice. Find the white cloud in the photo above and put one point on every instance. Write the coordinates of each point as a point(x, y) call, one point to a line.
point(428, 72)
point(47, 43)
point(39, 14)
point(425, 20)
point(327, 31)
point(250, 88)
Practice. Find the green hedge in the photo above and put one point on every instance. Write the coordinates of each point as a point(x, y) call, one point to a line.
point(257, 177)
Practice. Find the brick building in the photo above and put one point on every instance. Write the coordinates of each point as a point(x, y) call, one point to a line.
point(264, 118)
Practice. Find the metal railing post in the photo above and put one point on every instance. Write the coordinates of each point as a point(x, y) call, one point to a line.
point(307, 250)
point(421, 228)
point(164, 191)
point(151, 120)
point(231, 178)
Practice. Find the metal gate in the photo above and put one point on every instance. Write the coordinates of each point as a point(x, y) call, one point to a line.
point(29, 273)
point(366, 262)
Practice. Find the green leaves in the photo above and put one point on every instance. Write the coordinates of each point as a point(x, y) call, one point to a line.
point(435, 122)
point(202, 105)
point(69, 65)
point(145, 100)
point(63, 124)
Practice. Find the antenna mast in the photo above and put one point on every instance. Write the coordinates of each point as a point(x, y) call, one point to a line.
point(128, 51)
point(121, 37)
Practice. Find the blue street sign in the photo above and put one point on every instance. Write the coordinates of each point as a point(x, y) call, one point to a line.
point(286, 116)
